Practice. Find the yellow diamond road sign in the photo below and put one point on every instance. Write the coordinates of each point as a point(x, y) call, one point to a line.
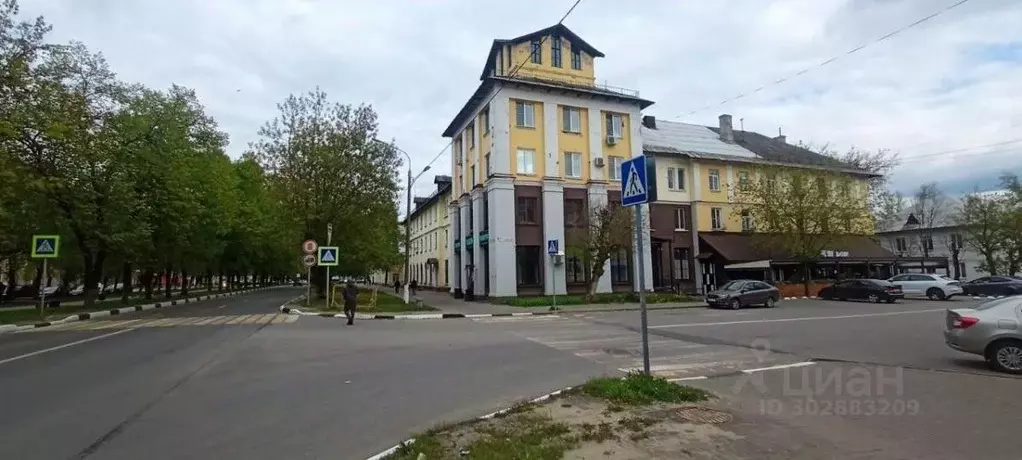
point(45, 246)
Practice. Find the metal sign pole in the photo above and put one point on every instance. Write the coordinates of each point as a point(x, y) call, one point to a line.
point(42, 291)
point(308, 288)
point(329, 232)
point(642, 288)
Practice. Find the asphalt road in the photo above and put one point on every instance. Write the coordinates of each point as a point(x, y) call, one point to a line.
point(313, 388)
point(883, 384)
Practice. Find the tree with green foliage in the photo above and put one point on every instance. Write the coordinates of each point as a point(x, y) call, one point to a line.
point(595, 234)
point(325, 163)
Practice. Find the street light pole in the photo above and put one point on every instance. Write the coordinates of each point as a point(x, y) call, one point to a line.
point(408, 232)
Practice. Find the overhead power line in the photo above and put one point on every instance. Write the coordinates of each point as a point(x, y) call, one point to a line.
point(927, 156)
point(833, 58)
point(514, 72)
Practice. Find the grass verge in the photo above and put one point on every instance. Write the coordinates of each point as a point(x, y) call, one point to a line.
point(605, 298)
point(590, 422)
point(641, 389)
point(385, 303)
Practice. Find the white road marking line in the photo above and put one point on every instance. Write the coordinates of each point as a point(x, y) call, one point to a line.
point(784, 320)
point(59, 347)
point(684, 379)
point(780, 366)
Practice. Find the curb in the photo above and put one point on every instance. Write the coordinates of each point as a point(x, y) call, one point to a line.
point(384, 454)
point(412, 316)
point(800, 298)
point(126, 310)
point(738, 372)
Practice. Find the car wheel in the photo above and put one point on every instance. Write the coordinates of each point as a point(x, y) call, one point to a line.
point(769, 302)
point(874, 298)
point(1006, 356)
point(935, 294)
point(735, 304)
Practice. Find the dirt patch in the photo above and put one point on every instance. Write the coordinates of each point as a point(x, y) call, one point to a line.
point(580, 427)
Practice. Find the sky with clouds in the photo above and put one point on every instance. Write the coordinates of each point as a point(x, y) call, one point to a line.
point(953, 83)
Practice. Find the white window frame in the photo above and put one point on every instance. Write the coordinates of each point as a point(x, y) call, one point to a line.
point(573, 165)
point(680, 219)
point(616, 124)
point(748, 223)
point(713, 180)
point(521, 156)
point(670, 179)
point(571, 120)
point(615, 167)
point(528, 113)
point(716, 218)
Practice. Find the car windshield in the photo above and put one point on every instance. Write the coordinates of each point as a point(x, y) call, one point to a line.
point(733, 286)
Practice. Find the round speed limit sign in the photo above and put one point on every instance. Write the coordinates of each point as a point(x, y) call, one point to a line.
point(310, 246)
point(308, 260)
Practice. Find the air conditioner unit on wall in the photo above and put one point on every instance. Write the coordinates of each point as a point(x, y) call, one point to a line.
point(598, 161)
point(611, 140)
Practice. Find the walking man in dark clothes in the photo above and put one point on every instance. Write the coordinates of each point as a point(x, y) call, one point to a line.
point(350, 296)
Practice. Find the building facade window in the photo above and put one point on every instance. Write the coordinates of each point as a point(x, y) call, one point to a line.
point(525, 114)
point(681, 218)
point(927, 243)
point(900, 244)
point(528, 269)
point(573, 165)
point(743, 180)
point(526, 161)
point(716, 219)
point(676, 178)
point(681, 266)
point(713, 180)
point(620, 266)
point(489, 167)
point(574, 270)
point(956, 241)
point(615, 167)
point(537, 51)
point(486, 119)
point(555, 52)
point(615, 125)
point(486, 211)
point(572, 120)
point(573, 213)
point(470, 135)
point(527, 210)
point(472, 175)
point(748, 224)
point(576, 58)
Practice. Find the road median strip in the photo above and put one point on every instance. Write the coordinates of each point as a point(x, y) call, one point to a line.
point(125, 310)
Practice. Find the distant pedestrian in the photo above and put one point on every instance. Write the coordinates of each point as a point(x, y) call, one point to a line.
point(397, 286)
point(350, 296)
point(414, 286)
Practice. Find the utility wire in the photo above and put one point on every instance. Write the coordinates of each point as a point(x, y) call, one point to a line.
point(832, 59)
point(513, 73)
point(964, 149)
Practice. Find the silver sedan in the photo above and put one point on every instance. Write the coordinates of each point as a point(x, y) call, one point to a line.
point(992, 330)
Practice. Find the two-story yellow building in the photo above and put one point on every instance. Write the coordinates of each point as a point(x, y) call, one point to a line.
point(429, 227)
point(540, 142)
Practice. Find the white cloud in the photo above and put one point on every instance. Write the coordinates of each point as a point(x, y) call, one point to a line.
point(953, 82)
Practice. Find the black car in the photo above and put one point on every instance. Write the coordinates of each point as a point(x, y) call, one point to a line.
point(875, 291)
point(993, 286)
point(739, 293)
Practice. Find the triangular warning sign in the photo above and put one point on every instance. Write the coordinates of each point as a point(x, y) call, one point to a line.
point(328, 256)
point(45, 247)
point(633, 184)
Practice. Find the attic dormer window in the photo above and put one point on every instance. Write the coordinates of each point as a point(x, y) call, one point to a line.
point(555, 52)
point(537, 52)
point(576, 58)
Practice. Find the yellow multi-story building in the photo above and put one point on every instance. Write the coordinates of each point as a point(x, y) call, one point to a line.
point(429, 228)
point(539, 142)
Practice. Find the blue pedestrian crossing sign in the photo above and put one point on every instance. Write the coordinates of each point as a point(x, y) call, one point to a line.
point(552, 247)
point(45, 246)
point(327, 256)
point(638, 181)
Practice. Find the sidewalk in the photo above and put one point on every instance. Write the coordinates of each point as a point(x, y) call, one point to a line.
point(448, 304)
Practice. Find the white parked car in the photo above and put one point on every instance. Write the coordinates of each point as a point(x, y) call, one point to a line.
point(933, 287)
